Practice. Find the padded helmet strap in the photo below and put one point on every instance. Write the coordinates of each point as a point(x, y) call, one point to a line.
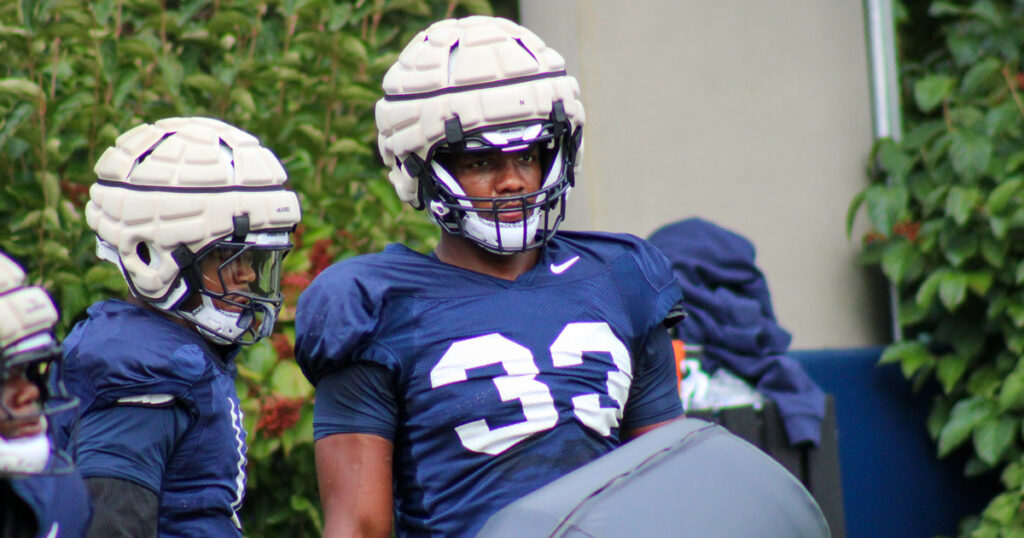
point(454, 135)
point(417, 168)
point(558, 118)
point(241, 225)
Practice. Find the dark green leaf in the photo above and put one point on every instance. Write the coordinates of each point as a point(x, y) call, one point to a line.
point(893, 160)
point(1003, 120)
point(984, 72)
point(885, 205)
point(315, 134)
point(204, 82)
point(938, 416)
point(979, 281)
point(985, 381)
point(922, 134)
point(173, 72)
point(928, 289)
point(1011, 394)
point(477, 7)
point(958, 246)
point(133, 47)
point(964, 332)
point(910, 313)
point(851, 212)
point(102, 10)
point(1013, 475)
point(288, 380)
point(20, 88)
point(51, 188)
point(1013, 162)
point(355, 48)
point(952, 290)
point(13, 121)
point(949, 370)
point(901, 260)
point(965, 118)
point(987, 11)
point(966, 414)
point(261, 358)
point(229, 22)
point(931, 90)
point(970, 154)
point(243, 98)
point(993, 437)
point(1000, 227)
point(348, 146)
point(1002, 509)
point(1000, 196)
point(960, 203)
point(993, 251)
point(1016, 312)
point(942, 7)
point(907, 351)
point(385, 193)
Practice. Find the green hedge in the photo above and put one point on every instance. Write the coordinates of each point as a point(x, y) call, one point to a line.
point(947, 208)
point(302, 75)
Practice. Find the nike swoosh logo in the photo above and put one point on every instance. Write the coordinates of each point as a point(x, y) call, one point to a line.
point(560, 268)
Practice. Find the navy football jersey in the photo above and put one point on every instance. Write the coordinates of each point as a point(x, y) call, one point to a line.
point(501, 386)
point(59, 502)
point(124, 361)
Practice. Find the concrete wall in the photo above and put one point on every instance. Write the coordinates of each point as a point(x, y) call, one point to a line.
point(754, 115)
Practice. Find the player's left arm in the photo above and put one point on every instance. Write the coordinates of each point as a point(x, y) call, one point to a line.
point(653, 396)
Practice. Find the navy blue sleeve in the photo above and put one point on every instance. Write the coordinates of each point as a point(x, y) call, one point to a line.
point(357, 398)
point(653, 395)
point(129, 442)
point(335, 319)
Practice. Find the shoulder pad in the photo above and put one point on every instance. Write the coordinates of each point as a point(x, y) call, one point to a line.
point(337, 314)
point(133, 356)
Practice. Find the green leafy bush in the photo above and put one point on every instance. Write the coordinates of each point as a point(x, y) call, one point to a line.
point(947, 210)
point(302, 75)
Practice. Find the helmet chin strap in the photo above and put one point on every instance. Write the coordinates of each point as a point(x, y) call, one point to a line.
point(24, 454)
point(216, 325)
point(507, 237)
point(500, 237)
point(224, 328)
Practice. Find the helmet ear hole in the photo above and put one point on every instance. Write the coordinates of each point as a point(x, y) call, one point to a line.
point(149, 255)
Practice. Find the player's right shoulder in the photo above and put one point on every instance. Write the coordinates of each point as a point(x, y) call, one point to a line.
point(365, 279)
point(389, 264)
point(121, 351)
point(340, 313)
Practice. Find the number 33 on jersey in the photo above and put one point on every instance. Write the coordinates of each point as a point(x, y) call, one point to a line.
point(534, 395)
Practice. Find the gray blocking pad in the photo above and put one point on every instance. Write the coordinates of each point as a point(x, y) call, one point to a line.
point(687, 478)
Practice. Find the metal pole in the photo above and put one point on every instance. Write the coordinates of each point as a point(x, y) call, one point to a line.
point(885, 97)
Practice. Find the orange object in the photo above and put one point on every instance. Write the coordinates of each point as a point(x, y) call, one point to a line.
point(680, 351)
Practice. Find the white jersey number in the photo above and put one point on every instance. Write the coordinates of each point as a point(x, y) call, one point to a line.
point(520, 383)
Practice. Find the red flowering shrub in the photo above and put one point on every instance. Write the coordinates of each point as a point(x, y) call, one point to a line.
point(319, 256)
point(277, 414)
point(907, 229)
point(283, 346)
point(873, 237)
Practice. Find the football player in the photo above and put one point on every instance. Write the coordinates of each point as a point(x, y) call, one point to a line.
point(453, 383)
point(40, 493)
point(195, 215)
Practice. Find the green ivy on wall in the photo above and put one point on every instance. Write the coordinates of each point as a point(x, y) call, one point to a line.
point(302, 75)
point(947, 212)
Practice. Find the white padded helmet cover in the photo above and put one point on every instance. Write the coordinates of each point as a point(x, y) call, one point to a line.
point(467, 52)
point(181, 181)
point(24, 310)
